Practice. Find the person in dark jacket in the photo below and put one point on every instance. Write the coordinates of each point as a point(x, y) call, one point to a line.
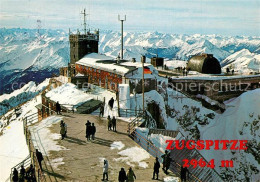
point(184, 173)
point(30, 173)
point(168, 163)
point(15, 175)
point(114, 123)
point(156, 168)
point(58, 108)
point(111, 103)
point(130, 175)
point(101, 112)
point(164, 156)
point(88, 130)
point(22, 173)
point(62, 130)
point(93, 131)
point(122, 175)
point(109, 123)
point(39, 158)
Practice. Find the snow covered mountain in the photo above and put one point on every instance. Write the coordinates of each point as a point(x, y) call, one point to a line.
point(243, 61)
point(26, 55)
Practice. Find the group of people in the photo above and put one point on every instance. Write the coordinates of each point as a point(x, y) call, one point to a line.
point(25, 175)
point(90, 130)
point(228, 70)
point(111, 123)
point(122, 176)
point(63, 129)
point(166, 165)
point(185, 71)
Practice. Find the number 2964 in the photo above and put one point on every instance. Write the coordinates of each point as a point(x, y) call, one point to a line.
point(198, 163)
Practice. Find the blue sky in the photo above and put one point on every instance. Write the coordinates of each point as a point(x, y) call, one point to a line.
point(225, 17)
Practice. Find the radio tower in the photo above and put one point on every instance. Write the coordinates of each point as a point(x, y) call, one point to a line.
point(39, 26)
point(122, 31)
point(85, 24)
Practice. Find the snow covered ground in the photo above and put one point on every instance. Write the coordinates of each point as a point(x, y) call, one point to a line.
point(43, 139)
point(240, 121)
point(69, 95)
point(243, 62)
point(12, 142)
point(134, 156)
point(27, 92)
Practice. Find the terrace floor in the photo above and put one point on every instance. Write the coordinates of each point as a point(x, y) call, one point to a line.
point(83, 160)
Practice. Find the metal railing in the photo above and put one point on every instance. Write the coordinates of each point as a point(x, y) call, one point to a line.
point(196, 174)
point(26, 162)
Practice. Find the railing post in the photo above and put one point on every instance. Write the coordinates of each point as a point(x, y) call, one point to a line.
point(38, 174)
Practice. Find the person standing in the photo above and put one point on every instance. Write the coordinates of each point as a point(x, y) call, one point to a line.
point(65, 126)
point(130, 175)
point(122, 175)
point(168, 163)
point(111, 103)
point(105, 170)
point(62, 130)
point(184, 172)
point(109, 123)
point(101, 112)
point(164, 156)
point(30, 173)
point(15, 175)
point(22, 174)
point(39, 158)
point(156, 168)
point(58, 108)
point(114, 123)
point(93, 131)
point(88, 130)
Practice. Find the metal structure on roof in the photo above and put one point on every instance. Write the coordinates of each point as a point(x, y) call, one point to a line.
point(204, 63)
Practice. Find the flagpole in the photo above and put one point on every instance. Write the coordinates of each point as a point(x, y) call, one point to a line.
point(143, 85)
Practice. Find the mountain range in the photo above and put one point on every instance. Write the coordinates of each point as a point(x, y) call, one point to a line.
point(32, 55)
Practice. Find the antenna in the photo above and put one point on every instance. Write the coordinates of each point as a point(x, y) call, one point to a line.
point(84, 23)
point(122, 31)
point(39, 26)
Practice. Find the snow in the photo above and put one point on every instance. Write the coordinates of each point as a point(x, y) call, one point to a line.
point(226, 126)
point(124, 95)
point(213, 77)
point(171, 179)
point(43, 139)
point(69, 95)
point(92, 60)
point(243, 62)
point(171, 64)
point(48, 52)
point(12, 142)
point(20, 96)
point(134, 155)
point(55, 163)
point(117, 145)
point(229, 125)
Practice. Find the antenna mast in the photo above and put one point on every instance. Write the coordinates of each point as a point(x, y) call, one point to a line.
point(85, 24)
point(122, 31)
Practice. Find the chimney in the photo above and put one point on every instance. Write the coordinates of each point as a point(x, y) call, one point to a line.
point(133, 60)
point(143, 59)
